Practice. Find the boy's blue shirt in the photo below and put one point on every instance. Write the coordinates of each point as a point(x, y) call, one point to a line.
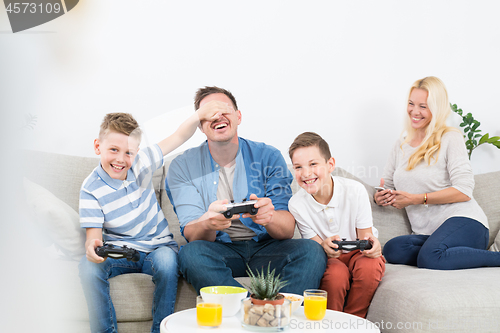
point(193, 178)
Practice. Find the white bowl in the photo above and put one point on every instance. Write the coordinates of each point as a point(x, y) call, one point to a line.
point(231, 297)
point(295, 299)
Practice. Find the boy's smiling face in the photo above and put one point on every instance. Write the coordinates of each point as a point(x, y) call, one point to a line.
point(117, 152)
point(312, 172)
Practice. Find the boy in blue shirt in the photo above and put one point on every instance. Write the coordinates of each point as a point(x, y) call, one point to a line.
point(118, 205)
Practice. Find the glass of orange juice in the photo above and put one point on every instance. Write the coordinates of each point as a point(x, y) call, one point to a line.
point(209, 311)
point(314, 304)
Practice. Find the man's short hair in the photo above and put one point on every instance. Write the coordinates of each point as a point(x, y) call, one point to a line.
point(204, 92)
point(123, 123)
point(310, 139)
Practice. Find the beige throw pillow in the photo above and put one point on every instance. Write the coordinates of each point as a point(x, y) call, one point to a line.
point(496, 244)
point(60, 222)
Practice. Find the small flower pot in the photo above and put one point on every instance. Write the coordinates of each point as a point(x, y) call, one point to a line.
point(280, 298)
point(268, 317)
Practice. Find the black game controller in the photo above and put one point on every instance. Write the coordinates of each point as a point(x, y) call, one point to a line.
point(363, 244)
point(238, 208)
point(116, 252)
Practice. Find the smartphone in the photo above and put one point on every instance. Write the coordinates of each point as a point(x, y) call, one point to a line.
point(378, 188)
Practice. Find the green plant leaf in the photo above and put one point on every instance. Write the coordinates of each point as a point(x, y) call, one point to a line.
point(484, 138)
point(471, 131)
point(455, 109)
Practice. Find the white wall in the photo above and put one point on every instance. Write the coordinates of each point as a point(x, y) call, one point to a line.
point(339, 68)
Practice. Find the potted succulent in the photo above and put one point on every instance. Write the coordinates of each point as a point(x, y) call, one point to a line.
point(266, 308)
point(264, 288)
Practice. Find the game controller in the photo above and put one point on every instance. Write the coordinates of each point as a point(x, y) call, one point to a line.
point(116, 252)
point(241, 207)
point(363, 244)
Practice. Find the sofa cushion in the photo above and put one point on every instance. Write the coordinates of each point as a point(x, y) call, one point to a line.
point(55, 219)
point(487, 194)
point(389, 221)
point(138, 287)
point(168, 209)
point(63, 175)
point(422, 300)
point(496, 245)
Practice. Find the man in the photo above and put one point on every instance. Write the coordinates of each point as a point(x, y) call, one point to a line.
point(224, 168)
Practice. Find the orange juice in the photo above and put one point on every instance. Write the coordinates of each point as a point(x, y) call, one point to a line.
point(209, 314)
point(314, 307)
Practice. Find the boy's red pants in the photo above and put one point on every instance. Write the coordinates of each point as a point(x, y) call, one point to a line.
point(355, 276)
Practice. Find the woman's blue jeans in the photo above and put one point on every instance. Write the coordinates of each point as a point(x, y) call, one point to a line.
point(460, 242)
point(301, 262)
point(161, 264)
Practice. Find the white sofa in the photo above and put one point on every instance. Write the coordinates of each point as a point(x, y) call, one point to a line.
point(407, 300)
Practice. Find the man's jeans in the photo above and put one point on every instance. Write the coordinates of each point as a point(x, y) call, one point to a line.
point(301, 262)
point(460, 242)
point(161, 264)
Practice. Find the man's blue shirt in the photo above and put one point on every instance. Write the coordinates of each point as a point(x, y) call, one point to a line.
point(193, 178)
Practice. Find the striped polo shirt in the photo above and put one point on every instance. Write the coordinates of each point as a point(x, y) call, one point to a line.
point(127, 210)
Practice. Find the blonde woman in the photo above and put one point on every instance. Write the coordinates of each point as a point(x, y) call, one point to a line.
point(429, 174)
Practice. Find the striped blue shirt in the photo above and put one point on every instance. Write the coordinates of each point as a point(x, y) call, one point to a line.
point(127, 210)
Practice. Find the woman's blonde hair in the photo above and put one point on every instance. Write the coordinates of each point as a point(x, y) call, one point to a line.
point(439, 106)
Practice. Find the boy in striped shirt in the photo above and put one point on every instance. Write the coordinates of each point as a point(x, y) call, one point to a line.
point(118, 205)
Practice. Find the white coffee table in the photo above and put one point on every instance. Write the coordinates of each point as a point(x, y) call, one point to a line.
point(334, 321)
